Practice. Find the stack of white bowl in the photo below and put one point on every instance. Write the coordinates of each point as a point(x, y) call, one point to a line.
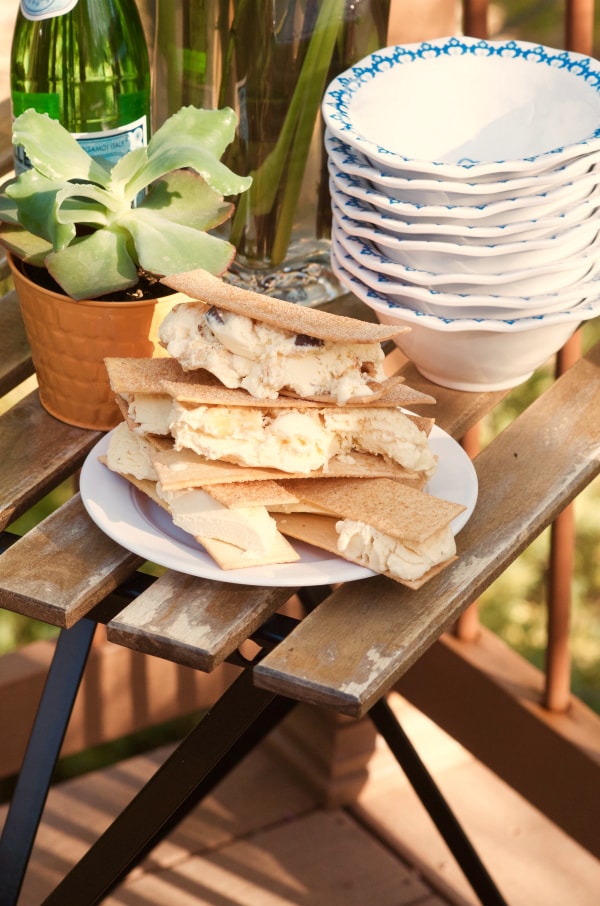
point(465, 189)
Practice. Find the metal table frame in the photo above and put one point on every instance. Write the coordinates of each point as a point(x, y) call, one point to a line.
point(241, 718)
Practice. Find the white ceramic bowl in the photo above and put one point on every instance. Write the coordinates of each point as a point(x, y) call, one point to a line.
point(460, 106)
point(555, 200)
point(458, 230)
point(441, 257)
point(466, 305)
point(432, 191)
point(545, 278)
point(469, 354)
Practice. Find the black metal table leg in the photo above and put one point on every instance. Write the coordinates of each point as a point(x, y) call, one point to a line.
point(52, 718)
point(428, 792)
point(239, 720)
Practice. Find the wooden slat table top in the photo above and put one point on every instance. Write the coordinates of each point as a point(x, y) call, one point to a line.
point(37, 452)
point(359, 641)
point(15, 360)
point(61, 568)
point(194, 622)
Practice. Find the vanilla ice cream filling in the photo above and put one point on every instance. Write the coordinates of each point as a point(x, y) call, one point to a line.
point(263, 360)
point(151, 412)
point(380, 552)
point(295, 440)
point(130, 454)
point(251, 529)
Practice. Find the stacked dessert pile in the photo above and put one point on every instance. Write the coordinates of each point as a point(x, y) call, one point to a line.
point(270, 421)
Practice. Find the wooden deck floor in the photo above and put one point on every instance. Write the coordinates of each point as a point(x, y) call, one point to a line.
point(262, 840)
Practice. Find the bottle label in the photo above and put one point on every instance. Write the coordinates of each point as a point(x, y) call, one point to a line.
point(46, 9)
point(107, 147)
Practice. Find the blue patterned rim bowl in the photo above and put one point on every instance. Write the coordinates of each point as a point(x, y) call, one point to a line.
point(472, 354)
point(428, 190)
point(465, 108)
point(444, 257)
point(518, 207)
point(551, 276)
point(475, 302)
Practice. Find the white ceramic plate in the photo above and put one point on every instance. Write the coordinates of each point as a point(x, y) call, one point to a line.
point(382, 304)
point(131, 519)
point(465, 305)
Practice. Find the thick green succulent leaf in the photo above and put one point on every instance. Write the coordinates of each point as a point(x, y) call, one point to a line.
point(24, 244)
point(82, 211)
point(164, 247)
point(192, 138)
point(101, 226)
point(97, 264)
point(184, 197)
point(9, 212)
point(53, 150)
point(129, 170)
point(37, 199)
point(213, 129)
point(50, 208)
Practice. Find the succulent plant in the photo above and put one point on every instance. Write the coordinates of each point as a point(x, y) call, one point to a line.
point(97, 228)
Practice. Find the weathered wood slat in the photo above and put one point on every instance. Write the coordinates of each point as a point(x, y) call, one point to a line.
point(385, 627)
point(37, 452)
point(15, 359)
point(194, 622)
point(64, 566)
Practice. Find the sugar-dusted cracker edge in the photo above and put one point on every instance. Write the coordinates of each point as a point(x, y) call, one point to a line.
point(320, 532)
point(147, 375)
point(267, 494)
point(313, 322)
point(226, 556)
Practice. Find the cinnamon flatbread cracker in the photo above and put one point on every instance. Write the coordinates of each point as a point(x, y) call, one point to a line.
point(320, 531)
point(165, 375)
point(313, 322)
point(131, 375)
point(388, 506)
point(393, 393)
point(252, 493)
point(180, 469)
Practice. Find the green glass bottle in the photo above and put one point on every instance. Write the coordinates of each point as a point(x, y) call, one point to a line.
point(85, 63)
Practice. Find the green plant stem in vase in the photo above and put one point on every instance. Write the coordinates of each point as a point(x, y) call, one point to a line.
point(278, 61)
point(270, 61)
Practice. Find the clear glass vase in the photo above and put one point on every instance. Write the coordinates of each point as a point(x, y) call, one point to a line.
point(270, 60)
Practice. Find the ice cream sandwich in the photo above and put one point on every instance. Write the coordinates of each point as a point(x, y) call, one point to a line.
point(381, 524)
point(290, 435)
point(234, 538)
point(269, 347)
